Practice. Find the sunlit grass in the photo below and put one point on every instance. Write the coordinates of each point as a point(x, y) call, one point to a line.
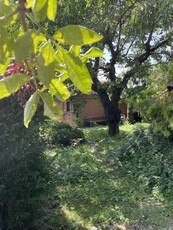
point(94, 192)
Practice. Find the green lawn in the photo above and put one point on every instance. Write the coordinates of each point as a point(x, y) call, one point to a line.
point(92, 191)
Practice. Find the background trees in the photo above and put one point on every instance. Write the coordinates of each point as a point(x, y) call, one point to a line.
point(136, 34)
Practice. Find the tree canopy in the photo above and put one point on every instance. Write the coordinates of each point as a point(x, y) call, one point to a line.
point(136, 34)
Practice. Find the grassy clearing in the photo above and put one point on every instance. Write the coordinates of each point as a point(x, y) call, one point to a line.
point(94, 192)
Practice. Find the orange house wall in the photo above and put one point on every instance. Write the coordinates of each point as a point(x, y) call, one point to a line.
point(92, 109)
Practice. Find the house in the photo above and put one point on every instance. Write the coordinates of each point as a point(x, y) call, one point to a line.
point(91, 110)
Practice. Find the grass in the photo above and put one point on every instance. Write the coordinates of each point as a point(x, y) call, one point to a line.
point(93, 192)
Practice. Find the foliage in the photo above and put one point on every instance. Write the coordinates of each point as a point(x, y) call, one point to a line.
point(154, 100)
point(25, 171)
point(49, 60)
point(147, 157)
point(136, 35)
point(96, 191)
point(60, 133)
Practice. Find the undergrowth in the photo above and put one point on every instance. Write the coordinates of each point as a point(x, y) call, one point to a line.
point(107, 181)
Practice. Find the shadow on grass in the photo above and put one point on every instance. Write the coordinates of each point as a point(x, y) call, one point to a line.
point(94, 192)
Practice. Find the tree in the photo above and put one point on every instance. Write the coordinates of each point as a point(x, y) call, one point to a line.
point(31, 58)
point(137, 33)
point(156, 99)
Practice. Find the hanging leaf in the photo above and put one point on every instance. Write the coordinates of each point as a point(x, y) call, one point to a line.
point(42, 13)
point(92, 53)
point(24, 46)
point(29, 3)
point(58, 89)
point(77, 72)
point(45, 73)
point(3, 67)
point(51, 109)
point(39, 5)
point(75, 50)
point(63, 76)
point(30, 108)
point(12, 84)
point(6, 10)
point(52, 9)
point(76, 35)
point(3, 44)
point(48, 54)
point(37, 39)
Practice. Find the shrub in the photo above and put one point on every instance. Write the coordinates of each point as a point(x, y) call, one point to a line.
point(60, 133)
point(25, 172)
point(148, 156)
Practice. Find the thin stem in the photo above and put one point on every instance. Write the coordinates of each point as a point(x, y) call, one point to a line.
point(22, 10)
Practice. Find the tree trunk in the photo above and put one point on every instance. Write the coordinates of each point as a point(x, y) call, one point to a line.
point(113, 119)
point(113, 128)
point(112, 111)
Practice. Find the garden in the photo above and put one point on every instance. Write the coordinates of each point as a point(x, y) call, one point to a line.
point(58, 176)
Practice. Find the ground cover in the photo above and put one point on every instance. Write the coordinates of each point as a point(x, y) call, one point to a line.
point(95, 192)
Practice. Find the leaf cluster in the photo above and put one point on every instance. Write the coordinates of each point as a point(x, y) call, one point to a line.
point(50, 59)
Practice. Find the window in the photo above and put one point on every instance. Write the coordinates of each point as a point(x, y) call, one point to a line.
point(68, 105)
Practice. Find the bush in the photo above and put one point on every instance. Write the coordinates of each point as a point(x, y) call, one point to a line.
point(25, 172)
point(148, 156)
point(60, 133)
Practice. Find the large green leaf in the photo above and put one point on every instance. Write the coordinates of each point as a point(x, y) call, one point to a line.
point(3, 44)
point(37, 39)
point(76, 35)
point(45, 73)
point(77, 72)
point(6, 10)
point(58, 89)
point(52, 9)
point(29, 3)
point(3, 67)
point(39, 5)
point(24, 46)
point(75, 50)
point(42, 13)
point(51, 109)
point(12, 84)
point(92, 53)
point(30, 108)
point(48, 54)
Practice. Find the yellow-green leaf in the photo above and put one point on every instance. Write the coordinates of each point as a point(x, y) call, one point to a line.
point(42, 13)
point(5, 11)
point(30, 108)
point(45, 73)
point(48, 54)
point(39, 5)
point(58, 89)
point(76, 35)
point(12, 84)
point(75, 50)
point(3, 44)
point(51, 109)
point(63, 76)
point(93, 52)
point(29, 3)
point(77, 72)
point(37, 39)
point(52, 9)
point(3, 67)
point(24, 46)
